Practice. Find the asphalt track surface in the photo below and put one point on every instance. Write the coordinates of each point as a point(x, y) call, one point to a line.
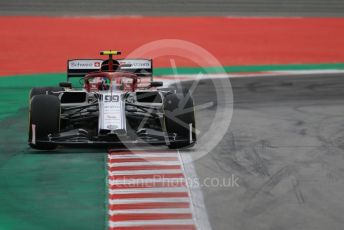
point(285, 144)
point(176, 7)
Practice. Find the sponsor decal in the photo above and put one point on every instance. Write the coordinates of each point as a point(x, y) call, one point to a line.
point(136, 64)
point(112, 127)
point(111, 98)
point(84, 64)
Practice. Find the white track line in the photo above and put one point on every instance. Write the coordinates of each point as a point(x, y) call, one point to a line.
point(189, 77)
point(151, 163)
point(197, 200)
point(149, 200)
point(147, 190)
point(156, 210)
point(113, 224)
point(143, 172)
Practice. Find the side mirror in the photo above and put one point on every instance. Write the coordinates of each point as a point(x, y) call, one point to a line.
point(157, 83)
point(65, 84)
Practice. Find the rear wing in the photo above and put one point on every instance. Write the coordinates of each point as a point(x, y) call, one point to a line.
point(81, 67)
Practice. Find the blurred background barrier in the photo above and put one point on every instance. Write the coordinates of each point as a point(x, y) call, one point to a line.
point(176, 7)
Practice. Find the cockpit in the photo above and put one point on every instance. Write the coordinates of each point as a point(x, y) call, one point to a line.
point(109, 82)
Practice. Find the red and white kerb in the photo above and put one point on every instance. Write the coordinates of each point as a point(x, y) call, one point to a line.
point(148, 191)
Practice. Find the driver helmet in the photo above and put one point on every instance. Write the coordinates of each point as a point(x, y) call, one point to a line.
point(105, 65)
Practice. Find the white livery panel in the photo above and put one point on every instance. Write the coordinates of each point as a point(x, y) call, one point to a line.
point(112, 112)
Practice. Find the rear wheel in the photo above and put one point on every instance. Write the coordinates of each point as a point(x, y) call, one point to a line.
point(44, 120)
point(179, 119)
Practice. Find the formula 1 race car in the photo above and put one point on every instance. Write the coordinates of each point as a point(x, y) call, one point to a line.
point(117, 103)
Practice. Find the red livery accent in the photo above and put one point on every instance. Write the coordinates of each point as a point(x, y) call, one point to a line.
point(144, 167)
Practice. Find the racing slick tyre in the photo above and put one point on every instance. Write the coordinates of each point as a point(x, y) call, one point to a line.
point(44, 120)
point(179, 117)
point(45, 90)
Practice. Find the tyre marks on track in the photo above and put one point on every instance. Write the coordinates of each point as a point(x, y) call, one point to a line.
point(148, 190)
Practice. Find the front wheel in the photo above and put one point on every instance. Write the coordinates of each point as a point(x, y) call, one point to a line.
point(44, 120)
point(179, 119)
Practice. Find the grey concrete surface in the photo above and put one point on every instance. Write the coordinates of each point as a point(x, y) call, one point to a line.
point(176, 7)
point(286, 145)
